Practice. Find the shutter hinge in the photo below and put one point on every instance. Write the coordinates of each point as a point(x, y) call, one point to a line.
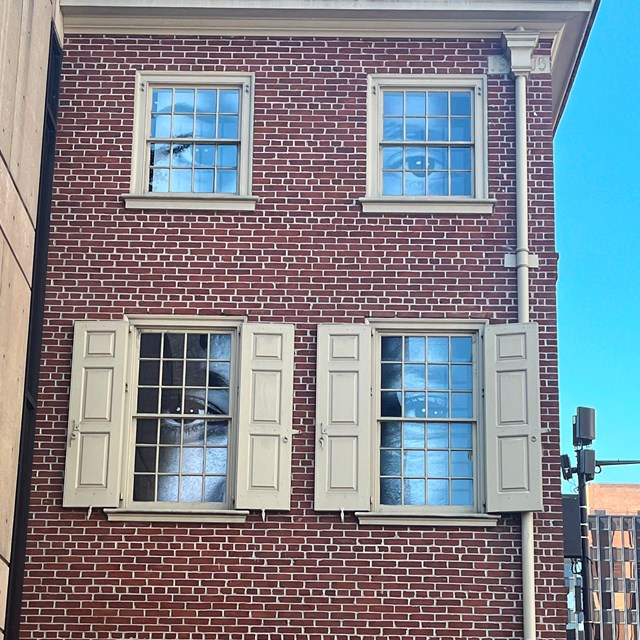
point(121, 496)
point(371, 502)
point(482, 393)
point(126, 387)
point(130, 329)
point(374, 89)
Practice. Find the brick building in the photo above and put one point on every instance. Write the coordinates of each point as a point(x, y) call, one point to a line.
point(299, 375)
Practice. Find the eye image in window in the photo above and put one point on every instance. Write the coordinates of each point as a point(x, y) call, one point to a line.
point(427, 420)
point(183, 417)
point(194, 140)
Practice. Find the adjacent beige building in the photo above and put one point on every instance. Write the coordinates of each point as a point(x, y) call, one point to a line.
point(25, 27)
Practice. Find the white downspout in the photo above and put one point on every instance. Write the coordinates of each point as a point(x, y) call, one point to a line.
point(519, 46)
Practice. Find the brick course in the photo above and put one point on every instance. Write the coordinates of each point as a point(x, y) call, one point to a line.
point(306, 255)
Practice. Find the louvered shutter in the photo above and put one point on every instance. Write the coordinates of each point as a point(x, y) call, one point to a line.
point(512, 410)
point(265, 414)
point(343, 418)
point(96, 414)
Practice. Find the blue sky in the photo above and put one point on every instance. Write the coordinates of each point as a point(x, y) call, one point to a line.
point(597, 149)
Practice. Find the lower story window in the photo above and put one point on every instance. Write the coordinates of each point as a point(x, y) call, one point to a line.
point(184, 416)
point(427, 420)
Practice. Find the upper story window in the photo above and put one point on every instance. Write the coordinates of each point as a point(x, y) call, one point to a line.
point(426, 145)
point(193, 142)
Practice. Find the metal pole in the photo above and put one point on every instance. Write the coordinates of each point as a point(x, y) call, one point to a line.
point(587, 587)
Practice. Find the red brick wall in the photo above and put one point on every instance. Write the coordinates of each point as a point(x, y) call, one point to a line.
point(306, 255)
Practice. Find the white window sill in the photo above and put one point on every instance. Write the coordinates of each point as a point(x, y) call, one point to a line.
point(421, 205)
point(191, 515)
point(393, 519)
point(190, 201)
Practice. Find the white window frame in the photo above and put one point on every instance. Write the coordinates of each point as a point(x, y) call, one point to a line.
point(473, 329)
point(374, 201)
point(161, 511)
point(140, 197)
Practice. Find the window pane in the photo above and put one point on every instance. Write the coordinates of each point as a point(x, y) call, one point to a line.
point(205, 127)
point(149, 372)
point(228, 127)
point(414, 404)
point(197, 346)
point(390, 491)
point(415, 183)
point(416, 103)
point(438, 129)
point(461, 464)
point(461, 436)
point(192, 460)
point(220, 347)
point(438, 405)
point(149, 345)
point(182, 126)
point(416, 129)
point(462, 493)
point(390, 404)
point(391, 183)
point(415, 159)
point(218, 402)
point(226, 181)
point(160, 155)
point(438, 377)
point(438, 103)
point(229, 101)
point(414, 463)
point(438, 464)
point(191, 489)
point(217, 460)
point(144, 488)
point(160, 126)
point(172, 373)
point(219, 373)
point(414, 376)
point(392, 103)
point(182, 155)
point(196, 374)
point(184, 101)
point(145, 459)
point(391, 348)
point(461, 158)
point(161, 100)
point(146, 431)
point(168, 488)
point(438, 492)
point(438, 158)
point(159, 180)
point(438, 349)
point(392, 129)
point(392, 158)
point(438, 436)
point(391, 376)
point(414, 349)
point(215, 489)
point(413, 435)
point(461, 405)
point(461, 183)
point(461, 129)
point(227, 155)
point(171, 401)
point(203, 182)
point(461, 349)
point(414, 492)
point(217, 432)
point(169, 459)
point(461, 377)
point(390, 434)
point(173, 345)
point(206, 101)
point(390, 462)
point(181, 180)
point(147, 401)
point(170, 431)
point(438, 183)
point(205, 155)
point(460, 103)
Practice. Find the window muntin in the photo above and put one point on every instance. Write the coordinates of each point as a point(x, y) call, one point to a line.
point(194, 140)
point(427, 143)
point(427, 420)
point(183, 421)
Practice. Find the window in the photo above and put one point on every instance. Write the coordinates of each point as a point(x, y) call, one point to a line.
point(426, 145)
point(432, 421)
point(426, 420)
point(198, 426)
point(193, 141)
point(183, 421)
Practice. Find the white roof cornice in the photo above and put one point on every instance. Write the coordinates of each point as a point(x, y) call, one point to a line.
point(566, 22)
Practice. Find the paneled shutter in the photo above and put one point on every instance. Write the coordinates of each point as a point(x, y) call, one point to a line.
point(512, 410)
point(265, 417)
point(96, 414)
point(343, 418)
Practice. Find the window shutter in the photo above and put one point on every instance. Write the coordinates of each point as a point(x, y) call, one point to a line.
point(343, 418)
point(512, 407)
point(96, 414)
point(265, 414)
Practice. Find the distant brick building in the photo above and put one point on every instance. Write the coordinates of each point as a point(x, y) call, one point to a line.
point(300, 365)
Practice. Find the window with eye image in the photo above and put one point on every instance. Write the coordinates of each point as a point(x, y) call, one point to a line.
point(183, 419)
point(427, 143)
point(194, 140)
point(427, 421)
